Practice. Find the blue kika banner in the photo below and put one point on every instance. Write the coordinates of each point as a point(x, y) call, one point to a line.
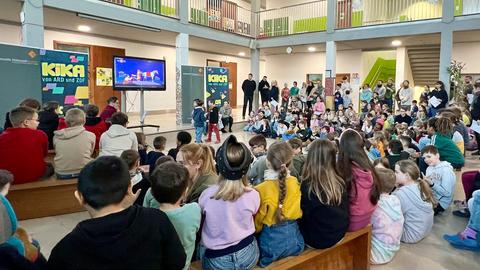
point(217, 85)
point(64, 77)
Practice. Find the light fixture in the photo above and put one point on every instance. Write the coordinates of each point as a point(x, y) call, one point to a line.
point(84, 28)
point(311, 49)
point(101, 19)
point(241, 54)
point(396, 42)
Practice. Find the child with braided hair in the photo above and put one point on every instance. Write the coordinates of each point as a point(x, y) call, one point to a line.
point(276, 220)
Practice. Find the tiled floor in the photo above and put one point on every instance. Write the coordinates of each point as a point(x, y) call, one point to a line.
point(431, 253)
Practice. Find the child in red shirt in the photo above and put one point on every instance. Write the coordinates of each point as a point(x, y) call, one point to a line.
point(24, 148)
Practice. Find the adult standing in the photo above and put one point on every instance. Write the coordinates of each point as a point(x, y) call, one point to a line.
point(441, 98)
point(426, 94)
point(274, 91)
point(294, 90)
point(320, 90)
point(248, 87)
point(112, 107)
point(264, 89)
point(405, 95)
point(381, 91)
point(475, 111)
point(345, 86)
point(389, 92)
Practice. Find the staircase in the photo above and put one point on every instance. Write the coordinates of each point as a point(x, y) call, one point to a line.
point(424, 62)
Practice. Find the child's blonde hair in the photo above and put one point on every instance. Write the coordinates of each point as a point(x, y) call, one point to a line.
point(409, 167)
point(232, 190)
point(196, 152)
point(280, 156)
point(320, 173)
point(379, 136)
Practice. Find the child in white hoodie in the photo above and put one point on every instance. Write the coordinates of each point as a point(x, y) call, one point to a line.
point(118, 138)
point(440, 177)
point(387, 221)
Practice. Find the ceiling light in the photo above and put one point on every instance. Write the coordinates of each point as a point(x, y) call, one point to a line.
point(311, 49)
point(396, 42)
point(84, 28)
point(241, 54)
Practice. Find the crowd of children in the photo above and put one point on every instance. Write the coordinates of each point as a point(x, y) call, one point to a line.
point(243, 205)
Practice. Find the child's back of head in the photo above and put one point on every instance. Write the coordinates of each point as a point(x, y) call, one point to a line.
point(159, 143)
point(20, 116)
point(91, 110)
point(395, 147)
point(169, 182)
point(183, 138)
point(119, 118)
point(75, 117)
point(387, 177)
point(131, 158)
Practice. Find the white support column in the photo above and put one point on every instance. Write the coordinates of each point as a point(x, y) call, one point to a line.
point(181, 53)
point(255, 70)
point(31, 18)
point(331, 15)
point(183, 8)
point(330, 58)
point(448, 10)
point(446, 47)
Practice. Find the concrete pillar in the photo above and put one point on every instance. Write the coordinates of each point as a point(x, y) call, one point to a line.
point(446, 47)
point(330, 58)
point(448, 11)
point(181, 54)
point(255, 70)
point(183, 11)
point(255, 6)
point(31, 18)
point(331, 15)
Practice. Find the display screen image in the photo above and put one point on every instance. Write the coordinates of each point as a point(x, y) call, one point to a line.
point(131, 73)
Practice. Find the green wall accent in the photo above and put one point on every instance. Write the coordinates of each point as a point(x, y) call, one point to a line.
point(357, 18)
point(310, 25)
point(198, 16)
point(458, 5)
point(275, 27)
point(382, 69)
point(168, 11)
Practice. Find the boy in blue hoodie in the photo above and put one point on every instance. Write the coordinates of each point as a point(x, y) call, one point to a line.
point(440, 176)
point(198, 116)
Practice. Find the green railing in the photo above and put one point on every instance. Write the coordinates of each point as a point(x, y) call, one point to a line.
point(167, 8)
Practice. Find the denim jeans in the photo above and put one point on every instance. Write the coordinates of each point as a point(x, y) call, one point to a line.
point(279, 241)
point(243, 259)
point(474, 207)
point(198, 134)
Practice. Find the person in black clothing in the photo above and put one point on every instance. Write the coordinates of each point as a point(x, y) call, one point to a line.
point(440, 93)
point(395, 153)
point(213, 122)
point(119, 235)
point(183, 138)
point(152, 156)
point(403, 117)
point(48, 120)
point(274, 92)
point(264, 89)
point(248, 87)
point(475, 112)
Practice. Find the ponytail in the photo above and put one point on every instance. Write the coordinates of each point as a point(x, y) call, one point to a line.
point(283, 173)
point(426, 192)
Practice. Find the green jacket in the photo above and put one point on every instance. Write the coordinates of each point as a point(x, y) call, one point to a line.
point(447, 149)
point(201, 183)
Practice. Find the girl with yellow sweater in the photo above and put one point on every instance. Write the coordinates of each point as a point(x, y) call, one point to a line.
point(276, 219)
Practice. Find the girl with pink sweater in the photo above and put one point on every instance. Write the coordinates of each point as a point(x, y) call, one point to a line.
point(362, 181)
point(319, 107)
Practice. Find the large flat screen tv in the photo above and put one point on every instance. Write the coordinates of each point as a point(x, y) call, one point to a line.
point(133, 73)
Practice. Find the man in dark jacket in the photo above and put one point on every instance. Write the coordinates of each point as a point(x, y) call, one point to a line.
point(118, 236)
point(264, 89)
point(248, 87)
point(475, 112)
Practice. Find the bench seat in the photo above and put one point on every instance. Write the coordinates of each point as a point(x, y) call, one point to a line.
point(45, 198)
point(353, 252)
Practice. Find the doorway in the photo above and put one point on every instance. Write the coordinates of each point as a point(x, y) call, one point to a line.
point(232, 78)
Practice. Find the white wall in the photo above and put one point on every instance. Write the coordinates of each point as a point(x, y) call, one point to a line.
point(468, 53)
point(10, 34)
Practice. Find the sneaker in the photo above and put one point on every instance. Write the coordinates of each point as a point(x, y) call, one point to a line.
point(465, 213)
point(223, 130)
point(460, 204)
point(457, 242)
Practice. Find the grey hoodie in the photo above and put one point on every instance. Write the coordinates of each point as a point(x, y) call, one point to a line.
point(116, 140)
point(417, 212)
point(443, 182)
point(74, 147)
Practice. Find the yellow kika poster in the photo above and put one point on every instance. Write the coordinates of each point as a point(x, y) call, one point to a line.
point(104, 76)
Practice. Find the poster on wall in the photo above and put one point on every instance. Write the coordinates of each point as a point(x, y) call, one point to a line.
point(64, 77)
point(217, 85)
point(104, 76)
point(315, 78)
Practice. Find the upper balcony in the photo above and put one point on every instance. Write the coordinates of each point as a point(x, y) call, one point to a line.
point(236, 17)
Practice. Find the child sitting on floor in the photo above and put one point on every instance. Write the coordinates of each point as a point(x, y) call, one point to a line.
point(139, 180)
point(416, 200)
point(94, 123)
point(104, 189)
point(279, 210)
point(232, 204)
point(258, 146)
point(118, 138)
point(387, 221)
point(74, 146)
point(169, 187)
point(152, 156)
point(441, 178)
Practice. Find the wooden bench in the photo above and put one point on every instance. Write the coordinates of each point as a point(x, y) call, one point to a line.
point(44, 198)
point(353, 252)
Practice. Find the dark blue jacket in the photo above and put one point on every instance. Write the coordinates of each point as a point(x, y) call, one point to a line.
point(199, 117)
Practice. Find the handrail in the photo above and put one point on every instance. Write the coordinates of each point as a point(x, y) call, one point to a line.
point(294, 5)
